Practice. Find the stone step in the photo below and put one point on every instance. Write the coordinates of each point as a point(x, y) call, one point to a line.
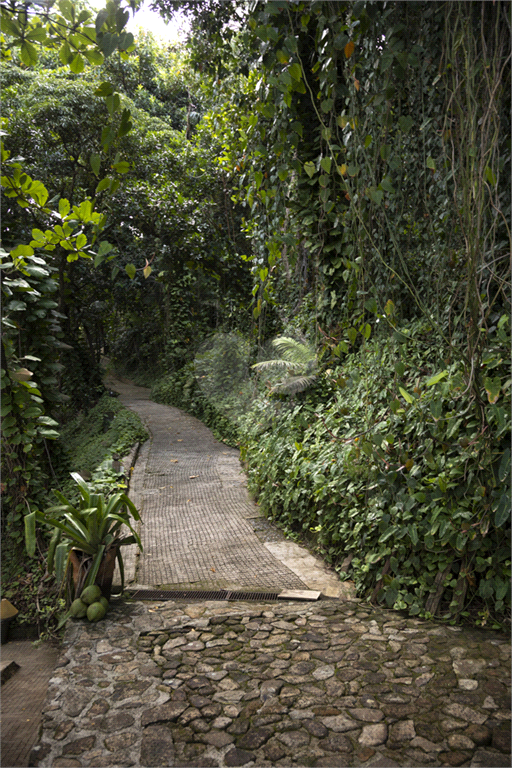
point(8, 669)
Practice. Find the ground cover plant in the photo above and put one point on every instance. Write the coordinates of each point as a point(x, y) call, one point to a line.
point(405, 487)
point(92, 443)
point(328, 183)
point(97, 436)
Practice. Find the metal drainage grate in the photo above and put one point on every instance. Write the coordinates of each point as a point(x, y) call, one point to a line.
point(222, 594)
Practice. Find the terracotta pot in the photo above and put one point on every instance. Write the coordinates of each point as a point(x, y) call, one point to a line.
point(81, 562)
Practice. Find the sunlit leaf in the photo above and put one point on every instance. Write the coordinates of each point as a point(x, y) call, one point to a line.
point(407, 397)
point(21, 252)
point(438, 377)
point(310, 169)
point(64, 207)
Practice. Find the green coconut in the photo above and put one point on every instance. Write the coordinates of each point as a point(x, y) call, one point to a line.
point(91, 594)
point(96, 611)
point(78, 609)
point(104, 602)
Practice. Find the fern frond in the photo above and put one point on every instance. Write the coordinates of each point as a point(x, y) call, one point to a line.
point(298, 359)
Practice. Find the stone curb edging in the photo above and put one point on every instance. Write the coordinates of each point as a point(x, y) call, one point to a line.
point(128, 463)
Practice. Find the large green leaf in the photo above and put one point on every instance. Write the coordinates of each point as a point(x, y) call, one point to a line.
point(310, 169)
point(437, 378)
point(407, 397)
point(493, 388)
point(30, 533)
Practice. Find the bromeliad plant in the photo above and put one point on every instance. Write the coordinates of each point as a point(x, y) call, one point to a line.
point(87, 539)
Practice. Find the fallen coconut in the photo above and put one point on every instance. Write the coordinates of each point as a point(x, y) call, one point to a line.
point(104, 602)
point(91, 594)
point(78, 609)
point(96, 611)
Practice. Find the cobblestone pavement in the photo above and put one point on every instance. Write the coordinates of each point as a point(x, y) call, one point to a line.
point(332, 683)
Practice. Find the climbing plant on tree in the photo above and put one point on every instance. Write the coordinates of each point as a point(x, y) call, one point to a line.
point(371, 165)
point(46, 234)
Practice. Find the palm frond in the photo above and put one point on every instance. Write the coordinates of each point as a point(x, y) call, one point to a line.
point(294, 351)
point(277, 363)
point(294, 384)
point(298, 359)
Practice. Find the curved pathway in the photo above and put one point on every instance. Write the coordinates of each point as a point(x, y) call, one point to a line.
point(199, 522)
point(328, 684)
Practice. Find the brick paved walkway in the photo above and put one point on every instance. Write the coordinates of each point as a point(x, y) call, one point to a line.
point(195, 508)
point(22, 698)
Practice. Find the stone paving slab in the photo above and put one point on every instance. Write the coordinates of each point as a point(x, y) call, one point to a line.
point(333, 683)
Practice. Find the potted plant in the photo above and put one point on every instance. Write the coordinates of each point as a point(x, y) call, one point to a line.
point(87, 539)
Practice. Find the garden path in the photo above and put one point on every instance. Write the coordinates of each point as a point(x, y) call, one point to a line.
point(201, 530)
point(210, 684)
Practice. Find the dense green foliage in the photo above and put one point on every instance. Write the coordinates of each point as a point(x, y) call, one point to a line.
point(90, 441)
point(328, 176)
point(388, 466)
point(97, 435)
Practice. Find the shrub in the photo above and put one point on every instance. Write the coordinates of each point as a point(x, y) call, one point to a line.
point(401, 471)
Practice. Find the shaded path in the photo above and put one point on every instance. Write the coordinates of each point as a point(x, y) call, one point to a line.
point(195, 508)
point(328, 684)
point(22, 698)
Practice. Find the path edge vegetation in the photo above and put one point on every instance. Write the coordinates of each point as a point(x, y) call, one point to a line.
point(359, 156)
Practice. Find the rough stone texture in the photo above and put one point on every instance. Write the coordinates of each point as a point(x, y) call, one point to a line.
point(245, 701)
point(156, 747)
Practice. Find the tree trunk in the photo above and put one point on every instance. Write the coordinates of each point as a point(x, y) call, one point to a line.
point(81, 564)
